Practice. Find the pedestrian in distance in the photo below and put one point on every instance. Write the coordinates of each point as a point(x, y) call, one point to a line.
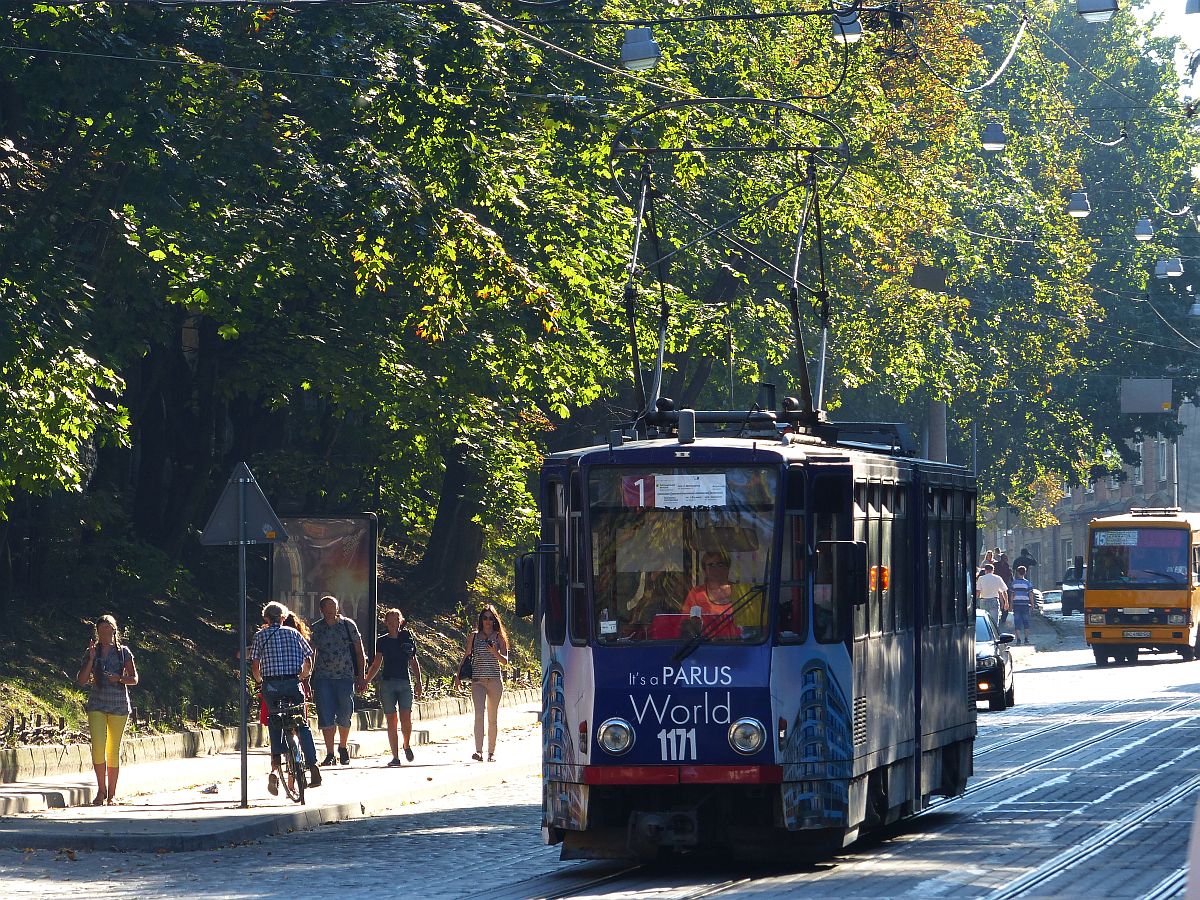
point(1026, 559)
point(487, 649)
point(1003, 568)
point(988, 560)
point(280, 661)
point(396, 655)
point(339, 671)
point(1022, 597)
point(108, 670)
point(990, 592)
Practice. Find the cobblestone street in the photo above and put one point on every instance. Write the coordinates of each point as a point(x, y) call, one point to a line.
point(419, 850)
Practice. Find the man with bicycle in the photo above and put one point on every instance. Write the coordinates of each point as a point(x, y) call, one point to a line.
point(280, 661)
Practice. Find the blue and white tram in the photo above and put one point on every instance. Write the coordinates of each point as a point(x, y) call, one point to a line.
point(828, 688)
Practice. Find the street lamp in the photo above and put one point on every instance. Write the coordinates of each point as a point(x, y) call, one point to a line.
point(1168, 268)
point(847, 26)
point(1079, 207)
point(640, 52)
point(993, 136)
point(1096, 10)
point(1144, 230)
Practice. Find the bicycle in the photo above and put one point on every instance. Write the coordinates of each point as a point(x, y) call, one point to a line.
point(286, 715)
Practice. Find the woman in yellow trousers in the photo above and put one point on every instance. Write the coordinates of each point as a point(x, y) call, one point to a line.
point(109, 669)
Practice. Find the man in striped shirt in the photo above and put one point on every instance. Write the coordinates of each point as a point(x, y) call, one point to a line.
point(280, 660)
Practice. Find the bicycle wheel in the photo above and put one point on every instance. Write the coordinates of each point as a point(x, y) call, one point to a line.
point(293, 767)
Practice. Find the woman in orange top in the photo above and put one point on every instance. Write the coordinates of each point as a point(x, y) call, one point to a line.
point(716, 593)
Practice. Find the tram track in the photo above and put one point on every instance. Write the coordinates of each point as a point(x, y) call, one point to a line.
point(1039, 732)
point(1054, 756)
point(1104, 839)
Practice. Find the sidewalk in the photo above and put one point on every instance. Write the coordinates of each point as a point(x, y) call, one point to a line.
point(1047, 635)
point(164, 807)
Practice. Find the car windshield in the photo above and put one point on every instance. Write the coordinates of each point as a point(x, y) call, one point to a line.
point(680, 551)
point(982, 632)
point(1142, 557)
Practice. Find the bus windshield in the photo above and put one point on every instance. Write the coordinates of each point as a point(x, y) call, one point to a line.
point(1139, 557)
point(680, 552)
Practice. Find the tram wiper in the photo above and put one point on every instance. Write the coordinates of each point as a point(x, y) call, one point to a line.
point(718, 623)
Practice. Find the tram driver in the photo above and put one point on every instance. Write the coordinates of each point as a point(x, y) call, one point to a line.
point(717, 594)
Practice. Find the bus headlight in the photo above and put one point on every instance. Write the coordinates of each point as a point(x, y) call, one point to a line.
point(1095, 618)
point(747, 736)
point(1175, 619)
point(615, 736)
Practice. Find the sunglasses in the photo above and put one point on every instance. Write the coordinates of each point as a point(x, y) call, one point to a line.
point(488, 617)
point(716, 565)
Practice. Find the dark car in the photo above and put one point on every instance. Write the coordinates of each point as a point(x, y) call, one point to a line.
point(993, 664)
point(1072, 588)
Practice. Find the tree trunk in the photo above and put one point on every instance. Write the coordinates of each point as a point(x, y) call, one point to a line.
point(455, 545)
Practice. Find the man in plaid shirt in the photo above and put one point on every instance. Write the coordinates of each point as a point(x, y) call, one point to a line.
point(280, 660)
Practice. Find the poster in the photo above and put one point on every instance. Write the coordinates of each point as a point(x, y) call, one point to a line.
point(328, 555)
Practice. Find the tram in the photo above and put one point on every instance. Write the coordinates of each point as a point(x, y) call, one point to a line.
point(1143, 584)
point(757, 635)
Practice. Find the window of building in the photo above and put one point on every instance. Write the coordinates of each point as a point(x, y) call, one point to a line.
point(1090, 486)
point(1138, 470)
point(1161, 459)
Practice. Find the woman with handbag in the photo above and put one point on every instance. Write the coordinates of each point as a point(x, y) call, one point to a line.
point(486, 651)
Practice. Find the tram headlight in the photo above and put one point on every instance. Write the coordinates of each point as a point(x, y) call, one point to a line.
point(1176, 619)
point(747, 736)
point(615, 736)
point(1096, 618)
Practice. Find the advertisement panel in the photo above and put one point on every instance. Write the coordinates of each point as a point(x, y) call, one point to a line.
point(328, 555)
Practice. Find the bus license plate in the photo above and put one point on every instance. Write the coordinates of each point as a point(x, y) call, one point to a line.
point(1136, 634)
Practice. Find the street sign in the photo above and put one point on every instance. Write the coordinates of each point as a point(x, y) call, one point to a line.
point(225, 525)
point(1146, 396)
point(242, 517)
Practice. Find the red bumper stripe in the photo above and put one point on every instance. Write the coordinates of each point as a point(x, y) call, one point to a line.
point(731, 774)
point(630, 775)
point(683, 775)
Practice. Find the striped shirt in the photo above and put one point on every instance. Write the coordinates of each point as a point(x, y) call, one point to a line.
point(280, 650)
point(483, 664)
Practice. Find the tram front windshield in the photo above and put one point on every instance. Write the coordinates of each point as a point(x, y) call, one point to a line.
point(681, 552)
point(1138, 557)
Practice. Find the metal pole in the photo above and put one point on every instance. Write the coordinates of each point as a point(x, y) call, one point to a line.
point(1175, 468)
point(245, 731)
point(974, 447)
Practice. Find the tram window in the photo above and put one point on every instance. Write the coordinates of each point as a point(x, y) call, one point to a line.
point(886, 585)
point(902, 589)
point(874, 584)
point(554, 573)
point(862, 610)
point(791, 620)
point(933, 608)
point(946, 572)
point(795, 489)
point(827, 624)
point(1196, 565)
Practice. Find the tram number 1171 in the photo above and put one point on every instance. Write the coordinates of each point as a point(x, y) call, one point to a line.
point(677, 744)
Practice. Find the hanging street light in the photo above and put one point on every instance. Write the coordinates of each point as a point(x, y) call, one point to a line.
point(640, 52)
point(847, 26)
point(993, 137)
point(1079, 207)
point(1096, 10)
point(1144, 230)
point(1168, 268)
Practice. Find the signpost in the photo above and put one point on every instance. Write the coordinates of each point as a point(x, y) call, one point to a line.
point(241, 517)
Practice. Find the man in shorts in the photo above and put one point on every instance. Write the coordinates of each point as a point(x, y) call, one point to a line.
point(396, 654)
point(1022, 597)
